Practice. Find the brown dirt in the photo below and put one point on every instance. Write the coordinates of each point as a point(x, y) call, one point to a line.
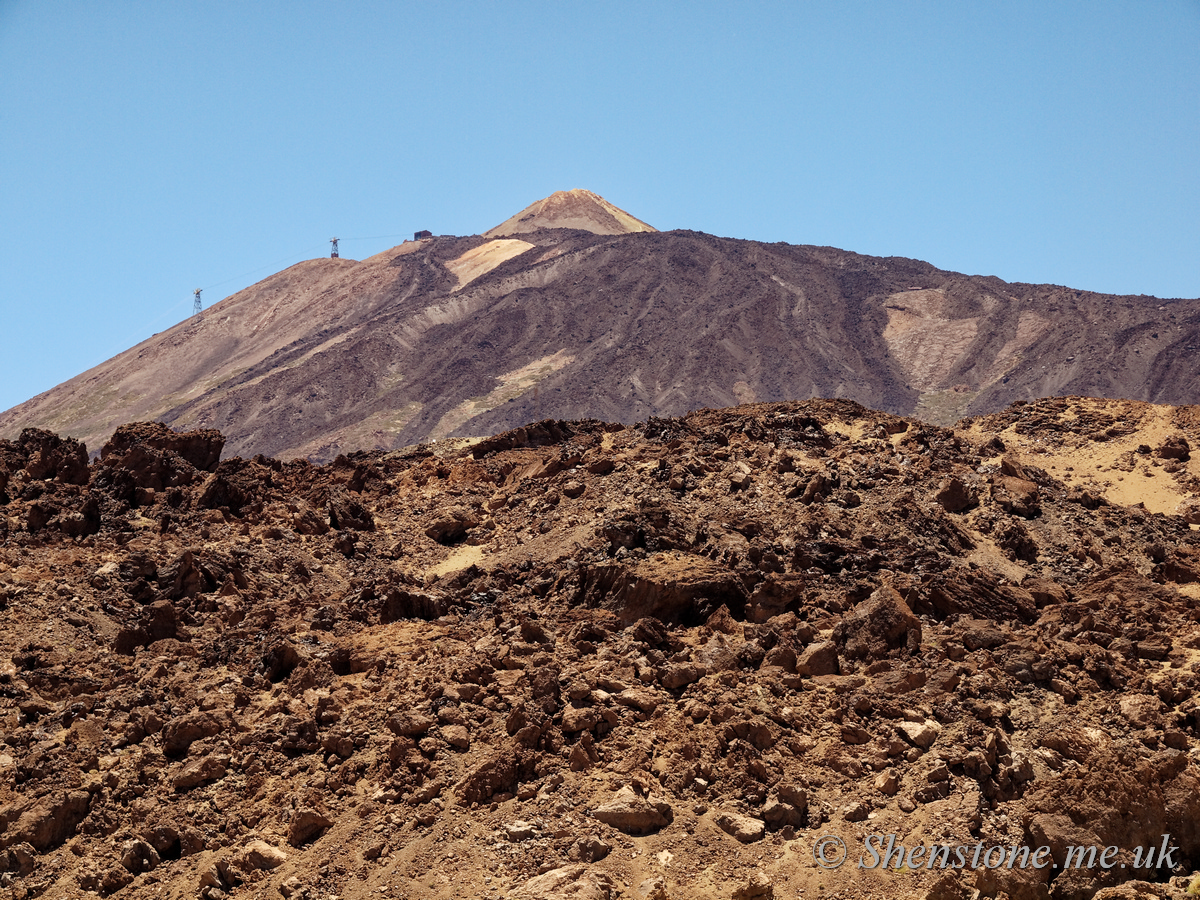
point(431, 673)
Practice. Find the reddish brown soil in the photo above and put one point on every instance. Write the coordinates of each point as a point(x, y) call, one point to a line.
point(599, 653)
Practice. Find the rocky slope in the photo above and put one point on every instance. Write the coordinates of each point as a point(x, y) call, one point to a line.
point(601, 317)
point(584, 660)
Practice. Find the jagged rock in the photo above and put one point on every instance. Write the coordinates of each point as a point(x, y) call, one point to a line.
point(982, 636)
point(1142, 710)
point(1190, 510)
point(346, 511)
point(818, 659)
point(200, 449)
point(50, 456)
point(410, 723)
point(1174, 446)
point(138, 856)
point(201, 771)
point(678, 675)
point(878, 625)
point(920, 734)
point(306, 520)
point(590, 848)
point(50, 821)
point(19, 859)
point(652, 889)
point(180, 733)
point(954, 496)
point(261, 855)
point(494, 775)
point(567, 883)
point(579, 718)
point(668, 586)
point(787, 806)
point(276, 653)
point(960, 592)
point(520, 831)
point(451, 525)
point(744, 828)
point(457, 736)
point(306, 825)
point(632, 813)
point(757, 887)
point(1044, 591)
point(1016, 495)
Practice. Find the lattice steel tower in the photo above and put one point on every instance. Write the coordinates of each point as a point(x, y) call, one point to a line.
point(333, 253)
point(196, 307)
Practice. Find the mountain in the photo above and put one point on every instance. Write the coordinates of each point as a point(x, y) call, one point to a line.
point(468, 336)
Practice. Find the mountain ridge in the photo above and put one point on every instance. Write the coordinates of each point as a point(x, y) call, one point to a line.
point(467, 336)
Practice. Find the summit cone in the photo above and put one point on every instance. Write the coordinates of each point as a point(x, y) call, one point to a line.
point(571, 209)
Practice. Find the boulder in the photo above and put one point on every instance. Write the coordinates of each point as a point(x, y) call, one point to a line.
point(567, 883)
point(1044, 591)
point(410, 723)
point(307, 823)
point(20, 859)
point(590, 848)
point(202, 771)
point(878, 625)
point(494, 775)
point(756, 887)
point(181, 732)
point(520, 830)
point(652, 889)
point(818, 659)
point(1016, 495)
point(954, 496)
point(1190, 510)
point(137, 856)
point(1174, 446)
point(457, 736)
point(630, 812)
point(50, 456)
point(201, 449)
point(744, 828)
point(451, 526)
point(678, 675)
point(579, 718)
point(920, 734)
point(672, 587)
point(1142, 710)
point(50, 821)
point(346, 511)
point(261, 855)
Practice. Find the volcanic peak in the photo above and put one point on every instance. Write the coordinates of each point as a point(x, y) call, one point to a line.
point(571, 209)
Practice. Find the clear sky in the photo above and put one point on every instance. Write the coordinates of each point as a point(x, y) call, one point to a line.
point(150, 148)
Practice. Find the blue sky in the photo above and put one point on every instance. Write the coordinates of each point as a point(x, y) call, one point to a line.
point(151, 148)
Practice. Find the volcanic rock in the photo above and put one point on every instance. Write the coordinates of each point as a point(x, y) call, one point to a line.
point(631, 812)
point(745, 654)
point(878, 625)
point(745, 828)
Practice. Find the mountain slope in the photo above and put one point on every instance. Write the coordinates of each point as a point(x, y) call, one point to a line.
point(469, 336)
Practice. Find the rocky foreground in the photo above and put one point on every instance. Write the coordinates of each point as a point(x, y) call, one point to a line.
point(580, 660)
